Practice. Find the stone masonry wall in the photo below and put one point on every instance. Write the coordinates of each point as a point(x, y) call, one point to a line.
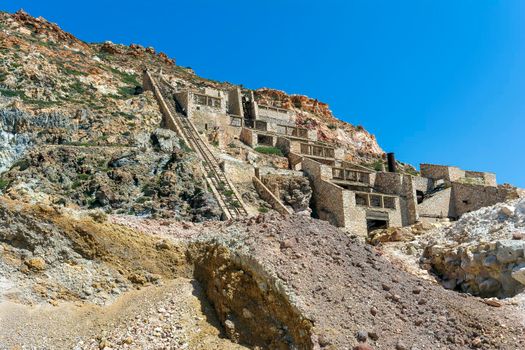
point(423, 184)
point(278, 116)
point(248, 137)
point(235, 102)
point(469, 197)
point(402, 186)
point(438, 205)
point(331, 201)
point(437, 172)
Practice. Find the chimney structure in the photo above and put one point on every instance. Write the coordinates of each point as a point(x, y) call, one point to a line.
point(391, 158)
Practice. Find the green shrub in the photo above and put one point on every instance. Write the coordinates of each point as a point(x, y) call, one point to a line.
point(143, 199)
point(269, 150)
point(184, 146)
point(126, 91)
point(82, 177)
point(76, 184)
point(11, 93)
point(378, 165)
point(263, 210)
point(75, 72)
point(22, 165)
point(332, 126)
point(3, 184)
point(78, 87)
point(228, 193)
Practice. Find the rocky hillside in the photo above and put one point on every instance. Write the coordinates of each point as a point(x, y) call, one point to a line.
point(58, 90)
point(77, 129)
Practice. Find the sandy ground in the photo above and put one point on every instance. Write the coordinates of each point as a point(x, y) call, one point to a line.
point(170, 316)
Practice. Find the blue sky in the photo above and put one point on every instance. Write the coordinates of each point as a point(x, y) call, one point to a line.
point(436, 81)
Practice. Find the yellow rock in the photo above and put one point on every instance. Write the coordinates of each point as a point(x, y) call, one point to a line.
point(36, 263)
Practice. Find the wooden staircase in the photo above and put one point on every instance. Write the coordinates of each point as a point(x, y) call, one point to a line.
point(224, 191)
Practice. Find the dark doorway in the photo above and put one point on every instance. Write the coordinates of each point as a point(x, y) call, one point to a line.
point(420, 196)
point(372, 224)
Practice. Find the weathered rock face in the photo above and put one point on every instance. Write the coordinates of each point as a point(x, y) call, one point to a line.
point(483, 253)
point(20, 130)
point(43, 247)
point(75, 130)
point(158, 179)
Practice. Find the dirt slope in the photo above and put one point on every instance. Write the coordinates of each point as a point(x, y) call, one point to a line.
point(345, 287)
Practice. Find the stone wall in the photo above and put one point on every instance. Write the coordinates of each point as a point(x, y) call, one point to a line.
point(331, 201)
point(287, 146)
point(439, 205)
point(248, 137)
point(438, 172)
point(402, 186)
point(275, 115)
point(235, 102)
point(451, 173)
point(295, 161)
point(423, 184)
point(487, 179)
point(469, 197)
point(338, 205)
point(168, 118)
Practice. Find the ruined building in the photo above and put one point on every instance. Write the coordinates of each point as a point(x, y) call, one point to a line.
point(347, 195)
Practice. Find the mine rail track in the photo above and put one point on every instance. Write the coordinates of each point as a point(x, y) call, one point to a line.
point(224, 191)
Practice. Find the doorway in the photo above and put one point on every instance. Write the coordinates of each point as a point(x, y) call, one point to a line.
point(374, 224)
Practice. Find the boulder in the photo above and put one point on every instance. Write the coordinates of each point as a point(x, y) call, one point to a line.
point(518, 273)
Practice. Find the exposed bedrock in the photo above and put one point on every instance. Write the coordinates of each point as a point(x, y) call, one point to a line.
point(483, 254)
point(252, 307)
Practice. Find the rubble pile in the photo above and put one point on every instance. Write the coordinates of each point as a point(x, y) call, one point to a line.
point(483, 253)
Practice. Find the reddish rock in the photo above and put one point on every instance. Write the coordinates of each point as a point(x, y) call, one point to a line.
point(363, 347)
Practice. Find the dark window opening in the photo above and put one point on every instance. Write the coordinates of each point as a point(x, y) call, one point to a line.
point(420, 196)
point(466, 201)
point(372, 224)
point(265, 140)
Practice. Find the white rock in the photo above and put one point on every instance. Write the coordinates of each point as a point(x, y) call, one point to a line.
point(507, 210)
point(518, 273)
point(520, 209)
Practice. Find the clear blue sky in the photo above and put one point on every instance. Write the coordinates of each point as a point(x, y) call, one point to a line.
point(438, 81)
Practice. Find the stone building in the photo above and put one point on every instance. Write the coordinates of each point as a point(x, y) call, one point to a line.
point(360, 200)
point(347, 195)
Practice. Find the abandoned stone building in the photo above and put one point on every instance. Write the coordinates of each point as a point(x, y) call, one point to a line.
point(347, 195)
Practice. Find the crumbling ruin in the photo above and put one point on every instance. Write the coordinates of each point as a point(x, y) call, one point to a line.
point(347, 195)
